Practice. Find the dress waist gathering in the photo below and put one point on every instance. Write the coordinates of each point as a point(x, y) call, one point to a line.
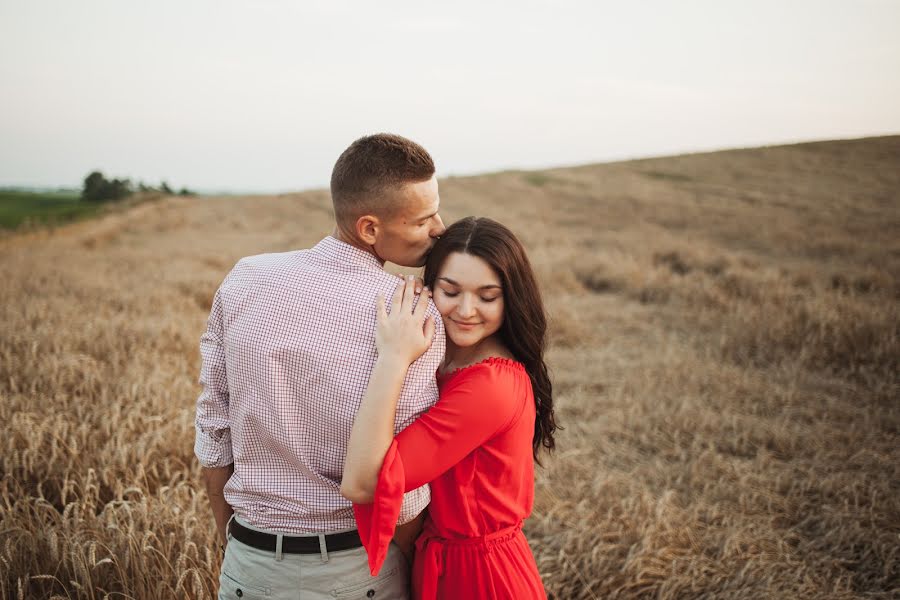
point(431, 549)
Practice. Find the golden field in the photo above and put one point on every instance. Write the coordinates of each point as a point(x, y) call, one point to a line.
point(725, 345)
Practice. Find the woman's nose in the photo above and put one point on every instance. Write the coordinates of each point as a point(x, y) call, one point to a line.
point(466, 308)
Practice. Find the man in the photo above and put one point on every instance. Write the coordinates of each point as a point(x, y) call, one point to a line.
point(287, 354)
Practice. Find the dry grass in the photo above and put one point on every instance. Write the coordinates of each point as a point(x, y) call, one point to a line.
point(725, 353)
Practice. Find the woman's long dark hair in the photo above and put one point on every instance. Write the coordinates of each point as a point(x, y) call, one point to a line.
point(524, 325)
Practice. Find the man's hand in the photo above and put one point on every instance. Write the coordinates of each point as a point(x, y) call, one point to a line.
point(405, 536)
point(215, 479)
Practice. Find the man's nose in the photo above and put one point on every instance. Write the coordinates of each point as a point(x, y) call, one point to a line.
point(439, 229)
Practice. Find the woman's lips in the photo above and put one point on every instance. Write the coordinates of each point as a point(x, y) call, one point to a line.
point(465, 326)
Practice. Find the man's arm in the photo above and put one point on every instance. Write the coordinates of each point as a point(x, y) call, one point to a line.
point(215, 479)
point(213, 423)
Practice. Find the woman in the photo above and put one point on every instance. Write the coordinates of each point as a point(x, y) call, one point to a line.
point(478, 444)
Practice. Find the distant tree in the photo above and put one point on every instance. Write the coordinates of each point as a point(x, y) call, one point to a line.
point(99, 189)
point(186, 192)
point(164, 187)
point(94, 185)
point(119, 188)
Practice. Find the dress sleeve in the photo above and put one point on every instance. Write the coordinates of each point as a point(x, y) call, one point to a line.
point(474, 406)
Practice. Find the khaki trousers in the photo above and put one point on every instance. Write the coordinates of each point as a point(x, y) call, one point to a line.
point(249, 573)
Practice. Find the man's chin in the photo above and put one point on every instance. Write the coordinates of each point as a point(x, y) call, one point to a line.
point(412, 264)
point(426, 255)
point(416, 262)
point(420, 262)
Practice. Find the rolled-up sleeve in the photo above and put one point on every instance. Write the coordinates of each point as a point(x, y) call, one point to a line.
point(212, 445)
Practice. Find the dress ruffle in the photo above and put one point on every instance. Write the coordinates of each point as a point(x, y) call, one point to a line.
point(376, 521)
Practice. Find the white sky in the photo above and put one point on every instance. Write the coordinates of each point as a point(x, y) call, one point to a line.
point(264, 95)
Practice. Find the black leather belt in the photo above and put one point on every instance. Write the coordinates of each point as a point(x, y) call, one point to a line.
point(291, 544)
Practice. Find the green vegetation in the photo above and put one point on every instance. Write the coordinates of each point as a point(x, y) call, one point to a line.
point(21, 207)
point(98, 188)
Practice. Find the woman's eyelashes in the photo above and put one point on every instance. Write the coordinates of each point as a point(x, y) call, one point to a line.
point(455, 294)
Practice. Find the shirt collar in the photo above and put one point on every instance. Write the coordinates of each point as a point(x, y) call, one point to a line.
point(335, 250)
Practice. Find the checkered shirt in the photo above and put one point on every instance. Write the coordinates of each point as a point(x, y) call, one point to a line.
point(287, 354)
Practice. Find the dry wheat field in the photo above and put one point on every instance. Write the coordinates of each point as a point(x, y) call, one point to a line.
point(725, 344)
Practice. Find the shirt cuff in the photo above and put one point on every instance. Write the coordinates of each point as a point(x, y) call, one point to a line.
point(214, 450)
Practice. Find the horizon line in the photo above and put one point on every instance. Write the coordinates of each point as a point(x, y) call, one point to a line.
point(618, 159)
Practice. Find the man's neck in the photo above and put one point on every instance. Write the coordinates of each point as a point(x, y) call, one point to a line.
point(341, 235)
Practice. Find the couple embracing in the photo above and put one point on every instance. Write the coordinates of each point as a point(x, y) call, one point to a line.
point(362, 436)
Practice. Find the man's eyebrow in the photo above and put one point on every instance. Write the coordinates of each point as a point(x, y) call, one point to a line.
point(426, 217)
point(484, 287)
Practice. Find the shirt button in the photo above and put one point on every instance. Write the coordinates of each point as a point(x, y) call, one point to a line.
point(239, 593)
point(370, 593)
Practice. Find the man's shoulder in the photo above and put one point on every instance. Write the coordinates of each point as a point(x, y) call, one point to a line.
point(269, 259)
point(257, 265)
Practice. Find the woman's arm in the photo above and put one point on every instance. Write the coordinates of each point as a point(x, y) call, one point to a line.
point(400, 339)
point(372, 430)
point(474, 406)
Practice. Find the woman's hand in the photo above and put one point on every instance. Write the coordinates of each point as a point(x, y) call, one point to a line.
point(400, 337)
point(404, 334)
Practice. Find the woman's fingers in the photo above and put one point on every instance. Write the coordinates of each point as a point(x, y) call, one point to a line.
point(409, 292)
point(418, 281)
point(381, 311)
point(405, 332)
point(430, 325)
point(397, 299)
point(422, 306)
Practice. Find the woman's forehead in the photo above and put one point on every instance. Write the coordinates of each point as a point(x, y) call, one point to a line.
point(468, 271)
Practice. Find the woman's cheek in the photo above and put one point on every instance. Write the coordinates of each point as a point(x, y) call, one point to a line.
point(441, 303)
point(496, 314)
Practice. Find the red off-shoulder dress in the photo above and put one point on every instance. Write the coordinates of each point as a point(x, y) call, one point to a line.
point(474, 447)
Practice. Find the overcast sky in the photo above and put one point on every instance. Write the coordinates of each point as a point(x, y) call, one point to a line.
point(264, 95)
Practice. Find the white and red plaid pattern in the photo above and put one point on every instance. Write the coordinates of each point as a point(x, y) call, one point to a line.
point(287, 354)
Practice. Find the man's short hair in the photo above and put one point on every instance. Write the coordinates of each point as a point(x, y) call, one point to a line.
point(370, 169)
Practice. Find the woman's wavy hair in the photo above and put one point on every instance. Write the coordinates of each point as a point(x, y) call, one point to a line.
point(524, 325)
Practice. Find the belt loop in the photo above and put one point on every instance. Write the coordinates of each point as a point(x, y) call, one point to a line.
point(323, 548)
point(228, 527)
point(279, 556)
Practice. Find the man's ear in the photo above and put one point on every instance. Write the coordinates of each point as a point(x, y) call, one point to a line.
point(367, 228)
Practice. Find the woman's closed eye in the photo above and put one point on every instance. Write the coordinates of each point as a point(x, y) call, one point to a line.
point(483, 299)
